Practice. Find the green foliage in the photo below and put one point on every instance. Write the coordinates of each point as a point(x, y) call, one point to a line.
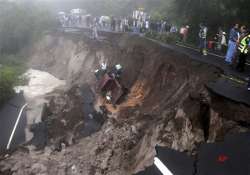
point(170, 38)
point(20, 23)
point(8, 78)
point(156, 16)
point(16, 62)
point(96, 7)
point(151, 35)
point(214, 12)
point(11, 66)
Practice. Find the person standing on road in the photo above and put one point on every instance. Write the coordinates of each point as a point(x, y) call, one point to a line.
point(113, 23)
point(244, 50)
point(163, 24)
point(203, 39)
point(94, 29)
point(223, 42)
point(185, 34)
point(182, 33)
point(219, 37)
point(126, 25)
point(173, 29)
point(232, 44)
point(147, 25)
point(242, 34)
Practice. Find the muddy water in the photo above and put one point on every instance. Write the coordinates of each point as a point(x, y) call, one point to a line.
point(92, 119)
point(82, 119)
point(40, 84)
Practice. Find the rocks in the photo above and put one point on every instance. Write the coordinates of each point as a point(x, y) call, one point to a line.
point(183, 135)
point(219, 127)
point(105, 162)
point(38, 168)
point(134, 130)
point(73, 169)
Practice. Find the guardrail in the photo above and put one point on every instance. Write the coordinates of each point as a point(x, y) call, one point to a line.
point(15, 126)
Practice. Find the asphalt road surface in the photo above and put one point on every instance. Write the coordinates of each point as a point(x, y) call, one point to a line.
point(234, 89)
point(177, 163)
point(231, 157)
point(8, 116)
point(231, 90)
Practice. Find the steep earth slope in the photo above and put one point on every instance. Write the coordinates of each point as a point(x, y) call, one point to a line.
point(167, 104)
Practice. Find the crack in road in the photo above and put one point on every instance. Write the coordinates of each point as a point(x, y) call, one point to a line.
point(195, 164)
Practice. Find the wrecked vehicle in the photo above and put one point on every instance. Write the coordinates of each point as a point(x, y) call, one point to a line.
point(108, 83)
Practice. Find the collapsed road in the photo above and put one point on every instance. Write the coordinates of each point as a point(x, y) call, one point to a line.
point(232, 83)
point(168, 104)
point(8, 116)
point(226, 158)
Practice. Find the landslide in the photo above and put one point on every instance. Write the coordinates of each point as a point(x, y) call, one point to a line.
point(167, 104)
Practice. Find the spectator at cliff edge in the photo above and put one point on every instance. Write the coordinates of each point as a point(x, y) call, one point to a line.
point(232, 44)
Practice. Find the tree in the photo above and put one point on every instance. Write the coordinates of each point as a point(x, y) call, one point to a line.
point(8, 78)
point(20, 23)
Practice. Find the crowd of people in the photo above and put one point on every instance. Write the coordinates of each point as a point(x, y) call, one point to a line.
point(236, 48)
point(74, 18)
point(238, 45)
point(138, 22)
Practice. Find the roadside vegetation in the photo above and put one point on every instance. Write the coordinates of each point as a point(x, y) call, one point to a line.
point(170, 38)
point(21, 24)
point(8, 78)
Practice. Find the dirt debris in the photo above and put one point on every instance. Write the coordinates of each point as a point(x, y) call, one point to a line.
point(168, 105)
point(95, 151)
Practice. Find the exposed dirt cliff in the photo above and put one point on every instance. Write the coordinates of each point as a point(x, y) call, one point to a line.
point(167, 104)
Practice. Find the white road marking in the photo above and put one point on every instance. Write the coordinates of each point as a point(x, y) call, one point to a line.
point(14, 129)
point(164, 170)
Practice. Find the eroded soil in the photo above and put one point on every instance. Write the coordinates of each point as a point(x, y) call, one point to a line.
point(168, 104)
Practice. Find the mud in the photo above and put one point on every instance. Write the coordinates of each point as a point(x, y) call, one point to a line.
point(70, 116)
point(168, 104)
